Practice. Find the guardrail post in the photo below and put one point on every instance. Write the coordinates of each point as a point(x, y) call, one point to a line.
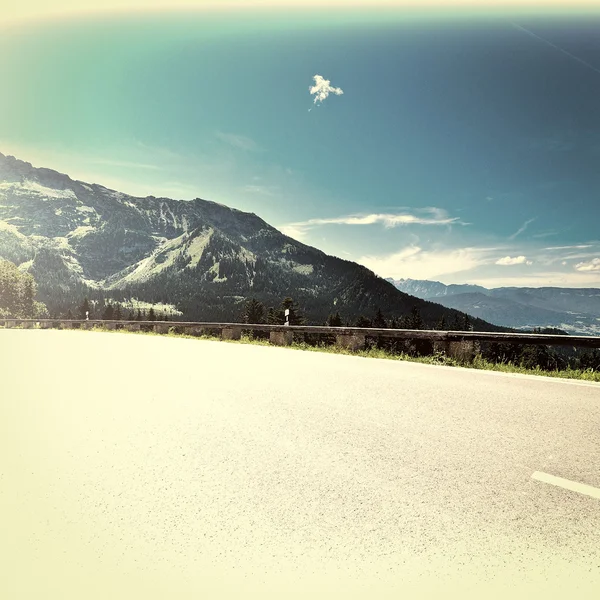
point(8, 324)
point(161, 328)
point(462, 351)
point(353, 341)
point(231, 333)
point(281, 338)
point(133, 326)
point(26, 324)
point(46, 325)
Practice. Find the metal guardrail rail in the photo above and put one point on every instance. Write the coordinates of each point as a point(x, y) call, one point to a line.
point(347, 336)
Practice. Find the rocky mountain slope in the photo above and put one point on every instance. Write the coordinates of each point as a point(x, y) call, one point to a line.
point(575, 310)
point(201, 257)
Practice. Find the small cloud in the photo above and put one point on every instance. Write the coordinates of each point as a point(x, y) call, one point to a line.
point(489, 198)
point(529, 262)
point(592, 265)
point(323, 88)
point(521, 229)
point(564, 262)
point(238, 141)
point(508, 260)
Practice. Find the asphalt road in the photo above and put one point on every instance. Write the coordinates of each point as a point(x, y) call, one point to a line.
point(147, 467)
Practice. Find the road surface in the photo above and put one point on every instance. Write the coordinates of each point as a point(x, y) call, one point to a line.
point(148, 467)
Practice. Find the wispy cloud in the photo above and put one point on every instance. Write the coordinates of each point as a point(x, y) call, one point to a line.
point(123, 163)
point(238, 141)
point(415, 263)
point(517, 260)
point(521, 229)
point(263, 190)
point(565, 52)
point(437, 217)
point(535, 279)
point(576, 247)
point(322, 89)
point(592, 265)
point(544, 234)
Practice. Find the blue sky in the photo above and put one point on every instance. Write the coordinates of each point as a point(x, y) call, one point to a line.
point(463, 148)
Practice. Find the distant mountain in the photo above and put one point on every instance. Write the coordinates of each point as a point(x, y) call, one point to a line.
point(198, 256)
point(433, 289)
point(576, 310)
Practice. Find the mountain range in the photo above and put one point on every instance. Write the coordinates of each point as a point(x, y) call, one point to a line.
point(200, 258)
point(574, 310)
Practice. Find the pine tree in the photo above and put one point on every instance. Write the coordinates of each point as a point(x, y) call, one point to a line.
point(109, 313)
point(117, 316)
point(84, 308)
point(28, 297)
point(295, 316)
point(416, 322)
point(362, 321)
point(254, 312)
point(69, 315)
point(138, 317)
point(441, 324)
point(151, 314)
point(379, 320)
point(275, 316)
point(334, 320)
point(467, 326)
point(456, 323)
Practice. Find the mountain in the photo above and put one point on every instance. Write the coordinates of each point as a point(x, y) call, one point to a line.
point(198, 257)
point(433, 289)
point(576, 310)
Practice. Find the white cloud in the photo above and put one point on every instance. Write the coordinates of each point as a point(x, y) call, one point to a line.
point(593, 265)
point(238, 141)
point(437, 216)
point(323, 88)
point(579, 247)
point(508, 260)
point(415, 263)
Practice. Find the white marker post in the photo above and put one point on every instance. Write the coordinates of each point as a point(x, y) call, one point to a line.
point(287, 316)
point(87, 315)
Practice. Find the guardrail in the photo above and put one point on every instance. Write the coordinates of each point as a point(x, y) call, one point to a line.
point(352, 338)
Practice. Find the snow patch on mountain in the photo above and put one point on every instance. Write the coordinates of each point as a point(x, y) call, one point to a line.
point(27, 187)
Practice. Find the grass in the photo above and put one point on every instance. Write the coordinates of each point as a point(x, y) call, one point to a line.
point(438, 358)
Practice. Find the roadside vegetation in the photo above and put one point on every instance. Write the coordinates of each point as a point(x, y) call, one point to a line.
point(17, 300)
point(437, 358)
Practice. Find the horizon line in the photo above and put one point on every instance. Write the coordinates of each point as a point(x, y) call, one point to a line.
point(422, 8)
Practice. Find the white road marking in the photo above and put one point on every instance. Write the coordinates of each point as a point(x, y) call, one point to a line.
point(581, 488)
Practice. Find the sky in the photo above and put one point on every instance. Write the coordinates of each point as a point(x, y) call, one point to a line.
point(446, 143)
